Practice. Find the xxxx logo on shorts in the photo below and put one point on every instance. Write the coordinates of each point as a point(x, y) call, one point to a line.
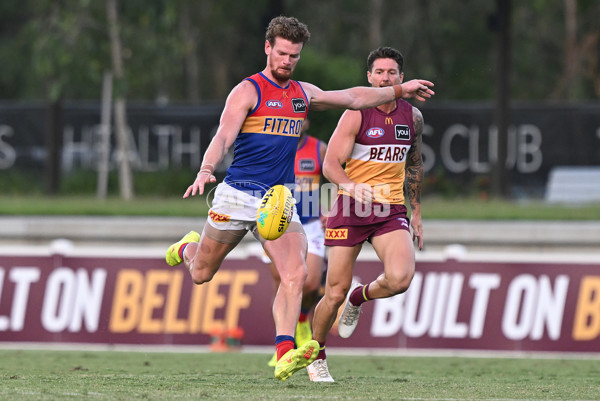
point(340, 233)
point(218, 217)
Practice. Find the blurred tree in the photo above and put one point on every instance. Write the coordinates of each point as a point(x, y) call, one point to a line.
point(590, 42)
point(333, 72)
point(54, 62)
point(15, 49)
point(193, 51)
point(579, 50)
point(190, 39)
point(125, 176)
point(63, 52)
point(540, 32)
point(375, 25)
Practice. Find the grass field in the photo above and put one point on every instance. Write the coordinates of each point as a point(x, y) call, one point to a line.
point(109, 375)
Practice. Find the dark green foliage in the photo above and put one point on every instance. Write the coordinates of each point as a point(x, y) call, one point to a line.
point(53, 49)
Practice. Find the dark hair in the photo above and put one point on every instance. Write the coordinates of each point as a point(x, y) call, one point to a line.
point(385, 52)
point(287, 28)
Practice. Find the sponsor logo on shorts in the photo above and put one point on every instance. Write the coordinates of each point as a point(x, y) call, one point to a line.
point(402, 132)
point(375, 132)
point(218, 217)
point(340, 233)
point(274, 104)
point(299, 105)
point(403, 221)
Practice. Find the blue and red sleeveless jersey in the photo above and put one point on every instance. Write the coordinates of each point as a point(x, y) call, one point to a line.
point(265, 147)
point(308, 178)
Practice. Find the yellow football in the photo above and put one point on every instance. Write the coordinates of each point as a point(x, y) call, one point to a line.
point(275, 212)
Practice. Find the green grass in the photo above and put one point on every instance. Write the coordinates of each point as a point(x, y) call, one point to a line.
point(432, 207)
point(103, 375)
point(494, 209)
point(92, 206)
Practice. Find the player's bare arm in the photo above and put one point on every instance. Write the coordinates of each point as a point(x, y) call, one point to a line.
point(363, 97)
point(339, 150)
point(240, 101)
point(414, 177)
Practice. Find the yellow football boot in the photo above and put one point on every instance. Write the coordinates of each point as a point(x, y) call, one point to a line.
point(303, 333)
point(273, 361)
point(172, 257)
point(296, 359)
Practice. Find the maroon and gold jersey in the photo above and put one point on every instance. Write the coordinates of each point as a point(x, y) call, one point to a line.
point(379, 154)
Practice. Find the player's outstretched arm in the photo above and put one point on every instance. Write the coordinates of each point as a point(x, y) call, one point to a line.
point(363, 97)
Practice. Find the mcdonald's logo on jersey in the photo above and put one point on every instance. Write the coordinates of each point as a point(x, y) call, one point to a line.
point(389, 121)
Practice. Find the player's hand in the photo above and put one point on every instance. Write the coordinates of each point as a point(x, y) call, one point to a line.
point(362, 193)
point(417, 228)
point(417, 88)
point(197, 187)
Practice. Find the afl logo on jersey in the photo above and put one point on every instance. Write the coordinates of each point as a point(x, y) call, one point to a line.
point(375, 132)
point(274, 104)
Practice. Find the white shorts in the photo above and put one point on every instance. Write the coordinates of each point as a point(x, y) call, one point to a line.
point(233, 209)
point(315, 236)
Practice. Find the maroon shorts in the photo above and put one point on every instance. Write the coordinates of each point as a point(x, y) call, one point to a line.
point(351, 223)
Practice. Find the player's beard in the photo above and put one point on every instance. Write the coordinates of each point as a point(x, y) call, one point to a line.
point(281, 74)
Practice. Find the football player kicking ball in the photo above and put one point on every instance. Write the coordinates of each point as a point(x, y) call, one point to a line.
point(307, 167)
point(262, 118)
point(381, 148)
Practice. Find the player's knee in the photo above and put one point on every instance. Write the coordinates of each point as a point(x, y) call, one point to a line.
point(295, 277)
point(336, 295)
point(399, 283)
point(201, 275)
